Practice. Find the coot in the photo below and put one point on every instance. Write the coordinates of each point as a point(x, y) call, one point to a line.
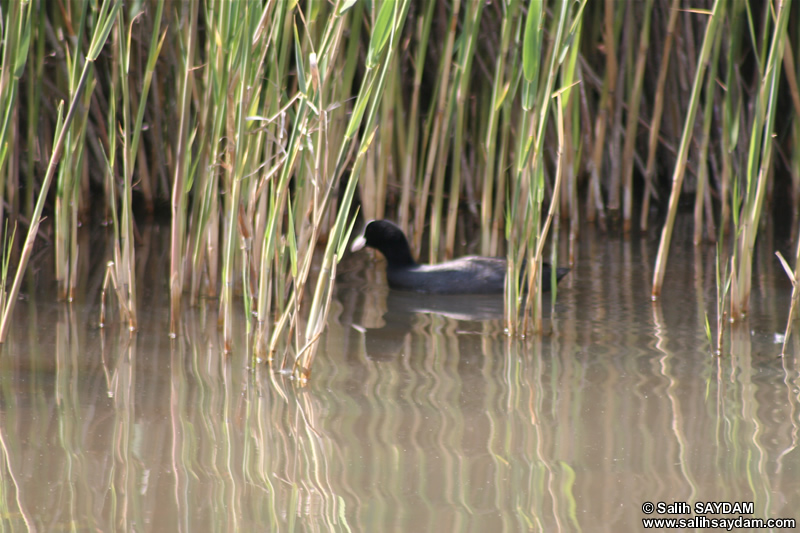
point(467, 275)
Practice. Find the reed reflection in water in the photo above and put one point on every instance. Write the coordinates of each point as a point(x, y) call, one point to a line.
point(419, 416)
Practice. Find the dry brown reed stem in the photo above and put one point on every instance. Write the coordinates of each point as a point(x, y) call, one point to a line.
point(569, 198)
point(611, 170)
point(791, 75)
point(633, 118)
point(702, 190)
point(605, 111)
point(411, 157)
point(658, 108)
point(792, 80)
point(383, 149)
point(461, 89)
point(436, 156)
point(683, 151)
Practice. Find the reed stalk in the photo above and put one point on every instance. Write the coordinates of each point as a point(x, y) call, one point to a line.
point(717, 13)
point(125, 262)
point(794, 277)
point(461, 88)
point(570, 72)
point(111, 195)
point(34, 96)
point(501, 196)
point(259, 121)
point(8, 246)
point(554, 202)
point(723, 284)
point(518, 207)
point(759, 162)
point(240, 58)
point(702, 190)
point(526, 238)
point(440, 139)
point(104, 23)
point(283, 157)
point(17, 36)
point(179, 185)
point(411, 158)
point(499, 101)
point(731, 112)
point(605, 111)
point(425, 171)
point(385, 147)
point(621, 43)
point(633, 118)
point(67, 199)
point(658, 108)
point(388, 25)
point(793, 80)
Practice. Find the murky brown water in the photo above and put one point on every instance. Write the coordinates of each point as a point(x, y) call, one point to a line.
point(415, 421)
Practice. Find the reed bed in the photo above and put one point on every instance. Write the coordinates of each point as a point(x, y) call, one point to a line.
point(264, 130)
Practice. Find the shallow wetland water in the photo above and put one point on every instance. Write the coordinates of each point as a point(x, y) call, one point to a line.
point(421, 414)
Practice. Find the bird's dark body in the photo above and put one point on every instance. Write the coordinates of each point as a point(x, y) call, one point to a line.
point(466, 275)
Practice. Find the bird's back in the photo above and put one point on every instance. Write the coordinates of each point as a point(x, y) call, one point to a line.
point(467, 275)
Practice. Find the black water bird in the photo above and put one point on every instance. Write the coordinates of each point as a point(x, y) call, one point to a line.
point(466, 275)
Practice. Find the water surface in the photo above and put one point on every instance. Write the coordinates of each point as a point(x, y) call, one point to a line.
point(422, 415)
